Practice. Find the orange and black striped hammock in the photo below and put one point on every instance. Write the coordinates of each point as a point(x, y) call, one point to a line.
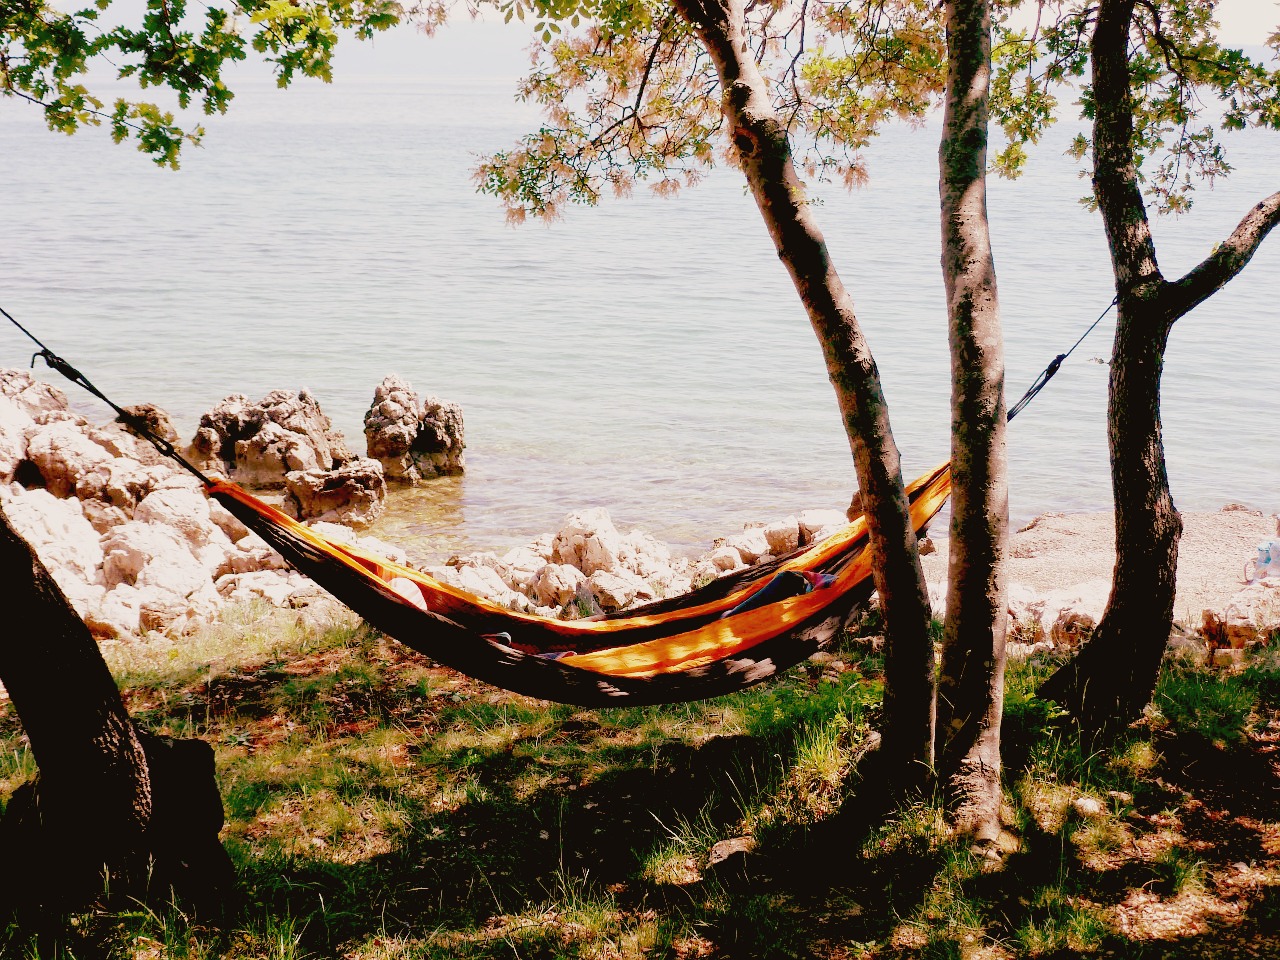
point(735, 631)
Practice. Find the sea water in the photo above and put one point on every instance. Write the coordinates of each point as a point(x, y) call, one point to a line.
point(648, 355)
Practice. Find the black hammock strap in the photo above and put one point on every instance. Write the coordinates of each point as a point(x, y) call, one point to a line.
point(137, 424)
point(1054, 365)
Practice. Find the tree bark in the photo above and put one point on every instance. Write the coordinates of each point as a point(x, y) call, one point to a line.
point(111, 809)
point(971, 681)
point(94, 793)
point(1109, 683)
point(765, 155)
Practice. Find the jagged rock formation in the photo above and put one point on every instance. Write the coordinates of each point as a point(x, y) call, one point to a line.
point(414, 440)
point(256, 444)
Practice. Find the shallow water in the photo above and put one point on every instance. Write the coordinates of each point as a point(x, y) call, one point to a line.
point(647, 355)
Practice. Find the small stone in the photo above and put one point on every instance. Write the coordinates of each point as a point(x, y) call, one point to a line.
point(1228, 656)
point(1071, 628)
point(728, 853)
point(1088, 807)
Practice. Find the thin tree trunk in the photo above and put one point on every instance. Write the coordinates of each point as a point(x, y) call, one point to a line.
point(1109, 683)
point(1107, 686)
point(765, 154)
point(971, 682)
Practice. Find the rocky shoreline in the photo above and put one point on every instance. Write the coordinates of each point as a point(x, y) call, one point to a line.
point(140, 550)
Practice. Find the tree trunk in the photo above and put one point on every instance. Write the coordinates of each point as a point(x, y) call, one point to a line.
point(1109, 683)
point(971, 682)
point(1107, 686)
point(94, 793)
point(765, 155)
point(111, 809)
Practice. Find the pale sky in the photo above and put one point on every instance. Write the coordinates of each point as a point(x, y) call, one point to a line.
point(493, 49)
point(466, 49)
point(1248, 22)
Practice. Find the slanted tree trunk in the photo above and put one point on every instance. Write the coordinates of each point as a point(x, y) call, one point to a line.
point(1109, 683)
point(112, 808)
point(765, 154)
point(971, 682)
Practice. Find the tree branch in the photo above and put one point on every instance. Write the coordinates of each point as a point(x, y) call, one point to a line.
point(1230, 257)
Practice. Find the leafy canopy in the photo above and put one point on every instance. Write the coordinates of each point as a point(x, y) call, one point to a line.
point(45, 54)
point(1186, 88)
point(628, 94)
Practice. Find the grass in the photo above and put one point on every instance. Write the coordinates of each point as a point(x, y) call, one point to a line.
point(380, 807)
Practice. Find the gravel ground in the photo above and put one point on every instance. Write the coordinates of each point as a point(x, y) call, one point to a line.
point(1067, 555)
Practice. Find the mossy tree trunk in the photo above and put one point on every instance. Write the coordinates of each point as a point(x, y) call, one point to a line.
point(971, 681)
point(1109, 683)
point(765, 156)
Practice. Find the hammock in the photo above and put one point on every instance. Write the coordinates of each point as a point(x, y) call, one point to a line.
point(734, 632)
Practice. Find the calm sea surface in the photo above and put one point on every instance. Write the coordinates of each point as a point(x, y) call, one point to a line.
point(649, 355)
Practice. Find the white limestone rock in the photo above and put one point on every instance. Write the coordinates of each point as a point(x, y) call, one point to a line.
point(61, 451)
point(246, 557)
point(59, 533)
point(14, 423)
point(30, 394)
point(228, 523)
point(520, 567)
point(354, 493)
point(276, 587)
point(615, 591)
point(556, 584)
point(340, 534)
point(726, 559)
point(751, 544)
point(102, 516)
point(1086, 599)
point(414, 440)
point(485, 582)
point(815, 524)
point(128, 548)
point(117, 614)
point(258, 443)
point(445, 575)
point(183, 507)
point(589, 541)
point(783, 536)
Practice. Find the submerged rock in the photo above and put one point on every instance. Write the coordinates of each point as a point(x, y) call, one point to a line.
point(354, 493)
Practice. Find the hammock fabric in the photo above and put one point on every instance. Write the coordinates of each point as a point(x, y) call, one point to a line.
point(726, 636)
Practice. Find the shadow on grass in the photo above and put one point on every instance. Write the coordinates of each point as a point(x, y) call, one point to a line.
point(514, 829)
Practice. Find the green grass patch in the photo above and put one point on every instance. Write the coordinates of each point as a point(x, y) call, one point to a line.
point(379, 806)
